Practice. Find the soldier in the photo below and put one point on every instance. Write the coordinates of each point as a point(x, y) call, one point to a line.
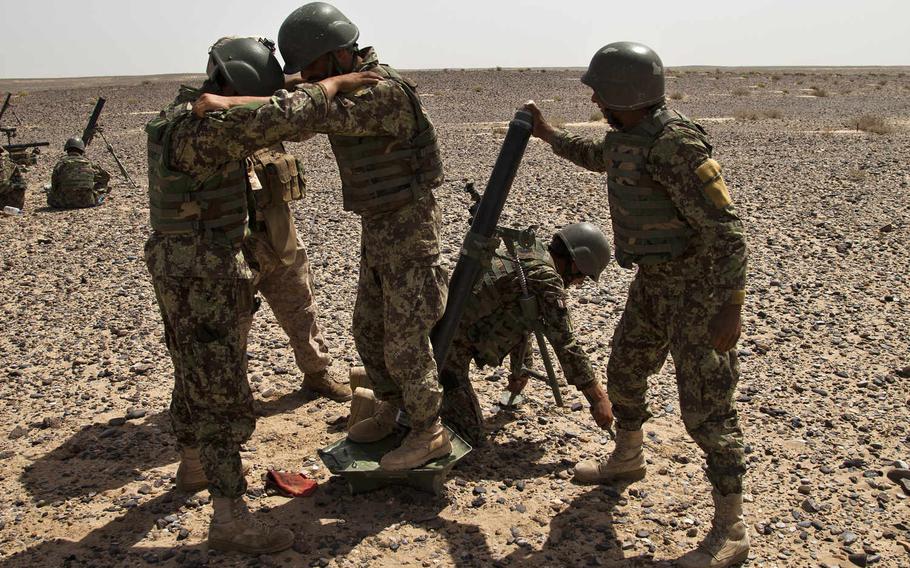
point(672, 217)
point(76, 181)
point(495, 324)
point(389, 162)
point(283, 270)
point(198, 194)
point(12, 185)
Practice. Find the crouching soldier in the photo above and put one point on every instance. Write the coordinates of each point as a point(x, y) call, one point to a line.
point(76, 181)
point(498, 321)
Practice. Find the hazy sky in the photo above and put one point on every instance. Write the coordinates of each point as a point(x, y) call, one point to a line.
point(56, 38)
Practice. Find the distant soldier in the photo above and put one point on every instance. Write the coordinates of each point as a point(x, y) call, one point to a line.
point(198, 201)
point(282, 268)
point(673, 218)
point(389, 162)
point(76, 181)
point(495, 323)
point(12, 184)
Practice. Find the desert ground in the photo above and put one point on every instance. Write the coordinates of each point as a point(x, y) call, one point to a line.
point(817, 162)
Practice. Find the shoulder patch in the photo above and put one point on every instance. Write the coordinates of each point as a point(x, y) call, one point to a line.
point(713, 182)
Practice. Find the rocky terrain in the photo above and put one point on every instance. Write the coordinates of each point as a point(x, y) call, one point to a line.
point(86, 475)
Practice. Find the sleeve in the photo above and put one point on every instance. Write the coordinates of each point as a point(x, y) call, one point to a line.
point(682, 163)
point(101, 176)
point(516, 362)
point(583, 152)
point(381, 110)
point(201, 146)
point(557, 328)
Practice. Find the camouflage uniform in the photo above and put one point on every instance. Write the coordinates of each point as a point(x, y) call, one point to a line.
point(283, 274)
point(401, 292)
point(202, 281)
point(12, 185)
point(493, 325)
point(674, 297)
point(76, 183)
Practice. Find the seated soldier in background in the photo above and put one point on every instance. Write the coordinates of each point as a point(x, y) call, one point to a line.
point(12, 185)
point(494, 323)
point(76, 181)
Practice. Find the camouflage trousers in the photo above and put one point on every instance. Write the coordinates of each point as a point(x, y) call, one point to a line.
point(288, 289)
point(396, 308)
point(12, 197)
point(206, 323)
point(80, 199)
point(460, 406)
point(670, 316)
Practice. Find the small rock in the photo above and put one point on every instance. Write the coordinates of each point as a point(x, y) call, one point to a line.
point(118, 421)
point(135, 413)
point(17, 432)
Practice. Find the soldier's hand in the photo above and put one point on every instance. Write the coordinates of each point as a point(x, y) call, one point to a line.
point(209, 102)
point(541, 128)
point(602, 412)
point(726, 327)
point(349, 82)
point(517, 384)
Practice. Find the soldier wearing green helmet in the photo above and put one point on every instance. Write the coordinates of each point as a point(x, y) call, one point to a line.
point(199, 208)
point(496, 324)
point(674, 221)
point(76, 181)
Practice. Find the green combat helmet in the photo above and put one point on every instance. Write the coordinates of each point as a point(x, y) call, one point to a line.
point(588, 246)
point(310, 32)
point(626, 76)
point(247, 64)
point(74, 143)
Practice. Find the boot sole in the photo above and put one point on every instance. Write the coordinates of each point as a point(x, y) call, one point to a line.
point(441, 452)
point(231, 546)
point(634, 475)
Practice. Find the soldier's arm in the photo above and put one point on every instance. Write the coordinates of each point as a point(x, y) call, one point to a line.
point(581, 151)
point(516, 362)
point(381, 110)
point(558, 329)
point(102, 177)
point(681, 162)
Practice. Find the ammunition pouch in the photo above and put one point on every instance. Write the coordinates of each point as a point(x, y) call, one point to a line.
point(281, 177)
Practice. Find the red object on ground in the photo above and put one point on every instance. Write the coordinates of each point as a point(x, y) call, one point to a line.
point(291, 484)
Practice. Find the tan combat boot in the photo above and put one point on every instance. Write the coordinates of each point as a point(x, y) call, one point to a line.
point(418, 448)
point(626, 463)
point(190, 475)
point(234, 529)
point(322, 383)
point(376, 427)
point(363, 406)
point(728, 541)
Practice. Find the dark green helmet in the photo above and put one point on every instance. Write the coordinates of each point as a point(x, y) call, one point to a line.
point(588, 247)
point(310, 32)
point(247, 64)
point(74, 143)
point(626, 76)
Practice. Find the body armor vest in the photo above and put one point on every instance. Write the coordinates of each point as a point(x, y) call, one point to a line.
point(384, 173)
point(180, 204)
point(499, 284)
point(647, 227)
point(73, 183)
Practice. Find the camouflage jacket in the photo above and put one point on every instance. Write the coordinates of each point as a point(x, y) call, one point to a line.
point(718, 242)
point(77, 182)
point(201, 147)
point(11, 180)
point(411, 232)
point(494, 324)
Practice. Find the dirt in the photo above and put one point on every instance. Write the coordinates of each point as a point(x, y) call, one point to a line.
point(86, 477)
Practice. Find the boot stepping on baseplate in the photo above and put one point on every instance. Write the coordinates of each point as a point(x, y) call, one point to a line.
point(376, 427)
point(418, 448)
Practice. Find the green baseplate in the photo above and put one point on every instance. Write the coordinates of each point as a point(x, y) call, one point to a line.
point(359, 464)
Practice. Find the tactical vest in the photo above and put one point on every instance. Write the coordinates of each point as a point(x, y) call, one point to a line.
point(73, 184)
point(499, 284)
point(384, 173)
point(647, 227)
point(181, 205)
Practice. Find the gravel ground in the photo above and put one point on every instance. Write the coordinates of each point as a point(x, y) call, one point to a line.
point(86, 476)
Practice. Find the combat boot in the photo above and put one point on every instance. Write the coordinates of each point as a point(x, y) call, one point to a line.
point(190, 475)
point(728, 541)
point(376, 427)
point(234, 529)
point(323, 384)
point(626, 463)
point(418, 448)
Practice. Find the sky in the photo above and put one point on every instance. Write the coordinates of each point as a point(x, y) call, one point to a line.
point(75, 38)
